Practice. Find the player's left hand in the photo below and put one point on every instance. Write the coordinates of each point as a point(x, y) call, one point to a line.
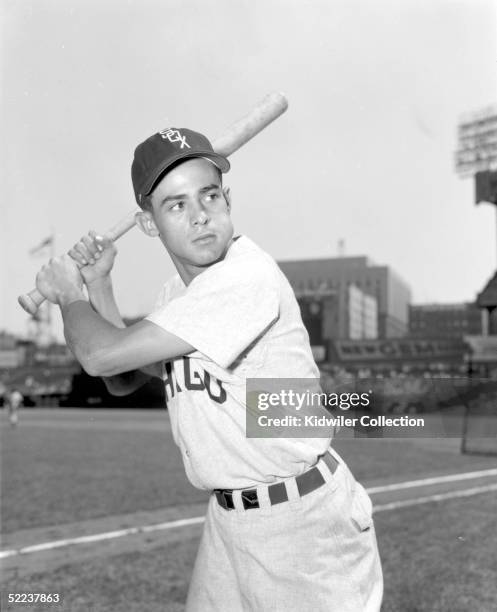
point(60, 281)
point(95, 255)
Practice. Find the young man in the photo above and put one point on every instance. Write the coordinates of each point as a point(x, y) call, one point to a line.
point(287, 526)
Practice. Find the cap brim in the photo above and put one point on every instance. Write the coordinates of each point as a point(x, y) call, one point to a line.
point(218, 160)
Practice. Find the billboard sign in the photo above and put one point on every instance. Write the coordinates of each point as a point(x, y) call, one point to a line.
point(397, 350)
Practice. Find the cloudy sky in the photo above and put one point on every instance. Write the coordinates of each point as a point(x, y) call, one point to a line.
point(364, 153)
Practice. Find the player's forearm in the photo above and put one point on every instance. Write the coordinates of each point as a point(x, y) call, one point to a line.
point(102, 299)
point(105, 350)
point(87, 333)
point(91, 338)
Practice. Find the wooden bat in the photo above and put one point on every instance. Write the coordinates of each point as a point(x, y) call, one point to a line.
point(264, 113)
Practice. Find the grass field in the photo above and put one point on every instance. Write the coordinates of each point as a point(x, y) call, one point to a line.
point(62, 466)
point(76, 472)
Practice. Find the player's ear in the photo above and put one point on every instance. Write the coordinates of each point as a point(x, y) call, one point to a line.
point(146, 223)
point(227, 197)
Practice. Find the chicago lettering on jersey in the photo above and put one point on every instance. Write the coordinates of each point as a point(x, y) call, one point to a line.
point(191, 378)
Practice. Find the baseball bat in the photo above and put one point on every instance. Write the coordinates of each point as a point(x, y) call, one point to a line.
point(243, 130)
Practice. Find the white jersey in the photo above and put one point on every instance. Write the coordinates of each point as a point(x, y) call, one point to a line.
point(242, 317)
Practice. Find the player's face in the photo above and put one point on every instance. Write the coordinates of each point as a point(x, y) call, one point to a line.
point(191, 213)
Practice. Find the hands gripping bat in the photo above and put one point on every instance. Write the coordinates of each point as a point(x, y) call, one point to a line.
point(268, 109)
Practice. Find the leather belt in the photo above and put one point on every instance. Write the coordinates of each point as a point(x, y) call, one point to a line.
point(306, 482)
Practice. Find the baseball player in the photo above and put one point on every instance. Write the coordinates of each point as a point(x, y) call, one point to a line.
point(14, 401)
point(287, 526)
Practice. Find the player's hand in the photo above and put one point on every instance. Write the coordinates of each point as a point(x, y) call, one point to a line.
point(59, 281)
point(96, 254)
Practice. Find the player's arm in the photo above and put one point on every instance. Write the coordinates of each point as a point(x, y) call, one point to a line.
point(96, 255)
point(102, 348)
point(101, 296)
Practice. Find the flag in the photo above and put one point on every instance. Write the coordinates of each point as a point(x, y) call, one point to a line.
point(41, 248)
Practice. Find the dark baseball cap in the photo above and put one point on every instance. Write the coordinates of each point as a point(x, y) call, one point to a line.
point(159, 152)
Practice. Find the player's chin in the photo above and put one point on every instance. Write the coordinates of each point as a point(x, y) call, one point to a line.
point(207, 254)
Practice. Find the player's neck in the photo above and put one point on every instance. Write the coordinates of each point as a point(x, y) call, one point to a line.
point(188, 271)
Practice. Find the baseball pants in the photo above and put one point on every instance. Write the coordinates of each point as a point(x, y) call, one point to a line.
point(316, 552)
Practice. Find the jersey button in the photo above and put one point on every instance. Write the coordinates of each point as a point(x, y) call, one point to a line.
point(187, 453)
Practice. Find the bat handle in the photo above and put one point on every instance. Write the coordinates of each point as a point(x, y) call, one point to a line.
point(31, 301)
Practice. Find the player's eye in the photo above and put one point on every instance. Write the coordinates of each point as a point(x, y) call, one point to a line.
point(177, 206)
point(210, 197)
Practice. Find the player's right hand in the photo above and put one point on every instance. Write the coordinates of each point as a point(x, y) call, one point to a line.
point(96, 254)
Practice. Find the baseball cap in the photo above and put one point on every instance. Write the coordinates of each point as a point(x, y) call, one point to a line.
point(159, 152)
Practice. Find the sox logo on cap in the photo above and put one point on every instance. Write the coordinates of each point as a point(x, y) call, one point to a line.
point(174, 136)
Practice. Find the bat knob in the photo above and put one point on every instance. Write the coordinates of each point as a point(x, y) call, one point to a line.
point(29, 305)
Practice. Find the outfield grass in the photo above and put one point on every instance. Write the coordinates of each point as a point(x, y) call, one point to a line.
point(62, 466)
point(439, 557)
point(87, 469)
point(134, 582)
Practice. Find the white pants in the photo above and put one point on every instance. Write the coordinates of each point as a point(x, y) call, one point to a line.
point(316, 552)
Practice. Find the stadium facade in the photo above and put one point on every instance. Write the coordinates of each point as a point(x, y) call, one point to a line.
point(392, 294)
point(449, 321)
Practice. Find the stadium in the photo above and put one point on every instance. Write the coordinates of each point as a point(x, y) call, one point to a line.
point(362, 194)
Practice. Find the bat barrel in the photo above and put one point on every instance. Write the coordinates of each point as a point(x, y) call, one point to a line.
point(243, 130)
point(123, 226)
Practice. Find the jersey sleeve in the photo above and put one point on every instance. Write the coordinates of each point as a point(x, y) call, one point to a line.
point(224, 310)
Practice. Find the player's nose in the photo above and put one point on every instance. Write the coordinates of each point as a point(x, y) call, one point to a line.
point(199, 214)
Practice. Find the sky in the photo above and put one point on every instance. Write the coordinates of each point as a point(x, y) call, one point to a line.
point(364, 153)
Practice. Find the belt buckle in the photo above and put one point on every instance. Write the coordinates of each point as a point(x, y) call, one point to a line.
point(225, 498)
point(250, 499)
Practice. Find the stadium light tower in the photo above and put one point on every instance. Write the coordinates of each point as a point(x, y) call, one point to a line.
point(476, 154)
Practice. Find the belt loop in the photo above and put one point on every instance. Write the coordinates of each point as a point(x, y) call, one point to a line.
point(237, 501)
point(264, 501)
point(335, 455)
point(294, 498)
point(327, 472)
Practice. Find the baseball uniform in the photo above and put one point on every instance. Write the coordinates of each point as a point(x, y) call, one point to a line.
point(313, 548)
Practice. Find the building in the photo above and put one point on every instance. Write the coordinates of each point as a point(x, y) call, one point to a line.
point(327, 314)
point(363, 314)
point(391, 293)
point(12, 355)
point(450, 321)
point(349, 313)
